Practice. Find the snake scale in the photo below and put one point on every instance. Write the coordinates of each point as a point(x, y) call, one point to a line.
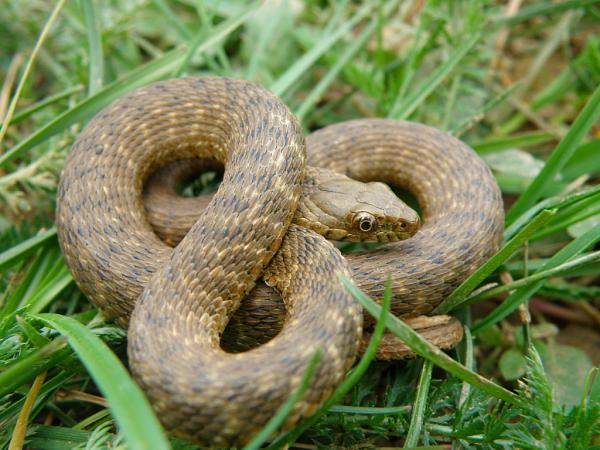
point(177, 301)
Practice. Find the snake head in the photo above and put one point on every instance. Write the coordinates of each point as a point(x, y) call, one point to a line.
point(341, 208)
point(380, 216)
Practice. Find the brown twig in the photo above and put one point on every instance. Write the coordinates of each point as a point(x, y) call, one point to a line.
point(7, 86)
point(70, 394)
point(18, 435)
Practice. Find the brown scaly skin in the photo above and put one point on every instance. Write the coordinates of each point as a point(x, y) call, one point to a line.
point(328, 205)
point(186, 295)
point(331, 204)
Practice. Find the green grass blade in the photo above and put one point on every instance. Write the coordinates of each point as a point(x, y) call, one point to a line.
point(586, 160)
point(27, 112)
point(25, 248)
point(540, 275)
point(544, 9)
point(460, 294)
point(53, 437)
point(405, 107)
point(469, 359)
point(259, 53)
point(201, 43)
point(28, 367)
point(49, 292)
point(520, 296)
point(560, 85)
point(182, 30)
point(90, 420)
point(315, 94)
point(418, 411)
point(559, 157)
point(38, 45)
point(96, 73)
point(127, 403)
point(570, 216)
point(149, 72)
point(520, 140)
point(34, 336)
point(560, 201)
point(369, 411)
point(84, 110)
point(291, 76)
point(478, 115)
point(285, 409)
point(430, 352)
point(47, 389)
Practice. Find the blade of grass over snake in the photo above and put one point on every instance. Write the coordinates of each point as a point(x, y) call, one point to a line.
point(523, 294)
point(299, 68)
point(353, 377)
point(96, 73)
point(418, 410)
point(128, 405)
point(25, 248)
point(403, 108)
point(40, 41)
point(430, 352)
point(460, 293)
point(559, 157)
point(286, 408)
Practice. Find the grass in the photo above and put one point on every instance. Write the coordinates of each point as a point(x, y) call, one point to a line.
point(520, 88)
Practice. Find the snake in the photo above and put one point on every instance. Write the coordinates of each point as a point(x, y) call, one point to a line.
point(178, 297)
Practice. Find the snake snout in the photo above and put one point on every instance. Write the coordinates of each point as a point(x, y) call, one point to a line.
point(407, 226)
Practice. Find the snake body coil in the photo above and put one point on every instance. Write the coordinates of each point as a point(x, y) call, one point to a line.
point(184, 297)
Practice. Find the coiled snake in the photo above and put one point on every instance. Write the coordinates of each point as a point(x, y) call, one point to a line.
point(185, 296)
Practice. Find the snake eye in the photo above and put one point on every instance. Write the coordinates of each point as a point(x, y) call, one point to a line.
point(365, 222)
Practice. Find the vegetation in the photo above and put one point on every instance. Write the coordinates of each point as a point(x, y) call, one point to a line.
point(516, 80)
